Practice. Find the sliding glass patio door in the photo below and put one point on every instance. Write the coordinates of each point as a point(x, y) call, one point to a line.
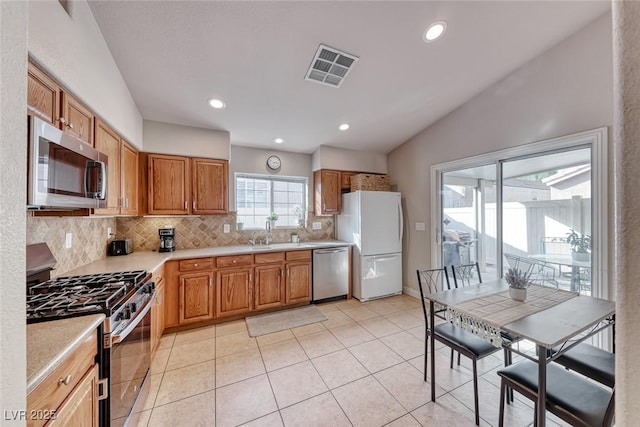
point(546, 217)
point(540, 207)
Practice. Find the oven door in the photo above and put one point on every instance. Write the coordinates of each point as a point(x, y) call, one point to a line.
point(130, 363)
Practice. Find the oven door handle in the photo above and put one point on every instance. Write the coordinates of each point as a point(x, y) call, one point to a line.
point(115, 339)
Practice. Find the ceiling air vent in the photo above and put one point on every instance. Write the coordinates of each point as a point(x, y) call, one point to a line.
point(330, 66)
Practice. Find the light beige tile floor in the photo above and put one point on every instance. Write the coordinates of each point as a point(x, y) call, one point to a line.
point(361, 367)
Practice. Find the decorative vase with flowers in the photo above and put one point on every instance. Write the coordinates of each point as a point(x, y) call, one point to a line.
point(518, 283)
point(272, 218)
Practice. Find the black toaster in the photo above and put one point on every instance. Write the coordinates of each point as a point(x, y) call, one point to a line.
point(120, 247)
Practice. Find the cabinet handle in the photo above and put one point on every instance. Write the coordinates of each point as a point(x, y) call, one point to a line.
point(70, 125)
point(210, 282)
point(287, 271)
point(235, 261)
point(185, 205)
point(194, 205)
point(66, 380)
point(196, 265)
point(250, 277)
point(126, 202)
point(282, 272)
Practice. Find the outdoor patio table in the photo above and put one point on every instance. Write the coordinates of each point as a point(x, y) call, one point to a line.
point(565, 260)
point(558, 318)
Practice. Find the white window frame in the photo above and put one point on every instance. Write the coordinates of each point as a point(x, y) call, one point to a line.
point(597, 140)
point(297, 179)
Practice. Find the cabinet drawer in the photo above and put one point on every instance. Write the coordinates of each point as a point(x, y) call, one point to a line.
point(157, 276)
point(196, 264)
point(49, 395)
point(234, 261)
point(298, 255)
point(269, 258)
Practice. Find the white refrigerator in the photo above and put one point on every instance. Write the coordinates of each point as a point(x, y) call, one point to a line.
point(372, 221)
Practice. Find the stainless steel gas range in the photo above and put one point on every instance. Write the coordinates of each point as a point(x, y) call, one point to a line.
point(125, 348)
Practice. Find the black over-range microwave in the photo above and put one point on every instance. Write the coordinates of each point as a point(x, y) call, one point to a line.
point(64, 172)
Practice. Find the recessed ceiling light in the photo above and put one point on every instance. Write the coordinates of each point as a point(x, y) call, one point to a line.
point(278, 140)
point(217, 104)
point(435, 31)
point(344, 126)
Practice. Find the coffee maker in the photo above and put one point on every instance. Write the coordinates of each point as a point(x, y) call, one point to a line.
point(167, 239)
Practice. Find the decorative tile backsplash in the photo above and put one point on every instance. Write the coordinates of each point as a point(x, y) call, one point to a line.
point(89, 241)
point(207, 231)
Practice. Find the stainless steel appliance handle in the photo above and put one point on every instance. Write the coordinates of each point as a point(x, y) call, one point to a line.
point(115, 339)
point(103, 174)
point(401, 230)
point(383, 258)
point(330, 251)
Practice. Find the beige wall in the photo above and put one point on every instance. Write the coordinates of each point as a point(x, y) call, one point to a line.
point(71, 48)
point(167, 138)
point(565, 90)
point(626, 42)
point(326, 157)
point(254, 160)
point(13, 181)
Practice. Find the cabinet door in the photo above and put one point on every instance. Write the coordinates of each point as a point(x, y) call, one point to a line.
point(298, 284)
point(327, 192)
point(43, 96)
point(108, 142)
point(346, 180)
point(268, 290)
point(129, 179)
point(196, 297)
point(210, 186)
point(168, 184)
point(78, 119)
point(234, 291)
point(81, 406)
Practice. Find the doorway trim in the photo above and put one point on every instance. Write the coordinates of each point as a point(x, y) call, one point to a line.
point(597, 140)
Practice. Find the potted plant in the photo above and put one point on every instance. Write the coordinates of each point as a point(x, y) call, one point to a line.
point(580, 246)
point(272, 218)
point(518, 283)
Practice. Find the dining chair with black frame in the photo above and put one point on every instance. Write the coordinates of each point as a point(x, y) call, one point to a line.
point(454, 337)
point(570, 396)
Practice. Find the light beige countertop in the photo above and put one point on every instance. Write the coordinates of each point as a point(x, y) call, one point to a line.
point(49, 343)
point(150, 261)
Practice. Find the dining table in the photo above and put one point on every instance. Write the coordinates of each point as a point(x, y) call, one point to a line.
point(565, 260)
point(554, 320)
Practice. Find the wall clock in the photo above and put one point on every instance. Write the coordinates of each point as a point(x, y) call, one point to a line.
point(274, 163)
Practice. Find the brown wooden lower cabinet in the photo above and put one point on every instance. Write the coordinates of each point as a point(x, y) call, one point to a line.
point(196, 297)
point(298, 283)
point(268, 289)
point(81, 407)
point(74, 400)
point(234, 291)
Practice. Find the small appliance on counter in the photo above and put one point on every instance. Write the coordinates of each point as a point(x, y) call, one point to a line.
point(167, 239)
point(120, 247)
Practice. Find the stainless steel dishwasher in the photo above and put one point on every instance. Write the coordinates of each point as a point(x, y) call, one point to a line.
point(330, 274)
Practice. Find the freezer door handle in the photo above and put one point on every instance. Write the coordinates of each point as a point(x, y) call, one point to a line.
point(330, 251)
point(401, 222)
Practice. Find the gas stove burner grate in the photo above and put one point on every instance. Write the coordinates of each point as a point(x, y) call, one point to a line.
point(78, 295)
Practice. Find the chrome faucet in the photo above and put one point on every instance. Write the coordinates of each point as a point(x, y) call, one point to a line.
point(253, 241)
point(268, 237)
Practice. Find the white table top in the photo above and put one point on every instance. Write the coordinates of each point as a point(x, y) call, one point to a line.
point(549, 327)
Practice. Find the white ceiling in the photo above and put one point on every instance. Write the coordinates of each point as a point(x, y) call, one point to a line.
point(175, 55)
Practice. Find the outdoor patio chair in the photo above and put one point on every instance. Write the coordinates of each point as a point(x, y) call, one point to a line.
point(465, 275)
point(570, 396)
point(454, 337)
point(539, 271)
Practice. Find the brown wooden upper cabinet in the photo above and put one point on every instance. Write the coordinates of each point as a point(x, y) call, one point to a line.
point(210, 186)
point(48, 101)
point(182, 185)
point(346, 180)
point(327, 195)
point(43, 95)
point(122, 176)
point(169, 184)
